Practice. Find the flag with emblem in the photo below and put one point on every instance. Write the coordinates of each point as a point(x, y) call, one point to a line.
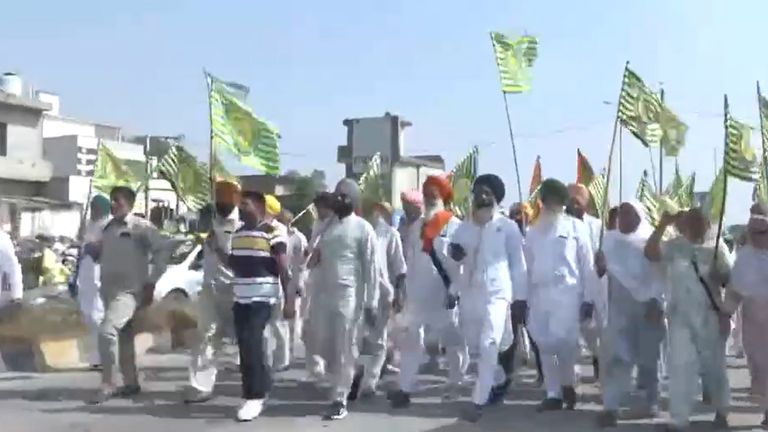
point(111, 171)
point(462, 177)
point(740, 160)
point(514, 58)
point(235, 128)
point(644, 114)
point(189, 178)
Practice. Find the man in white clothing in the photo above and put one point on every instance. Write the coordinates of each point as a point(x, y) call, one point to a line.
point(389, 252)
point(490, 246)
point(88, 278)
point(590, 329)
point(430, 298)
point(297, 250)
point(11, 287)
point(215, 300)
point(347, 292)
point(635, 326)
point(562, 280)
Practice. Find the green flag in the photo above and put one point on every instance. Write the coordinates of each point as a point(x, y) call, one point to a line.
point(462, 177)
point(680, 190)
point(648, 199)
point(740, 160)
point(643, 113)
point(514, 59)
point(760, 190)
point(371, 183)
point(597, 192)
point(714, 203)
point(763, 103)
point(189, 178)
point(234, 127)
point(111, 171)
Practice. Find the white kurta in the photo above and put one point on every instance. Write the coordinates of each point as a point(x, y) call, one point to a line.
point(561, 276)
point(88, 284)
point(347, 282)
point(425, 306)
point(11, 286)
point(214, 305)
point(391, 263)
point(696, 346)
point(494, 274)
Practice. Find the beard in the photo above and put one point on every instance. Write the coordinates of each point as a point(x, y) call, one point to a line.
point(224, 209)
point(432, 208)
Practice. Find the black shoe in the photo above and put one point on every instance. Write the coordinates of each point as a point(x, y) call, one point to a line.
point(337, 411)
point(569, 397)
point(400, 399)
point(720, 422)
point(499, 392)
point(550, 404)
point(607, 419)
point(764, 423)
point(472, 414)
point(354, 391)
point(596, 367)
point(127, 392)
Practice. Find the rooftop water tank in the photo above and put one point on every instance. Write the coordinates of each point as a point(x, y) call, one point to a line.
point(11, 83)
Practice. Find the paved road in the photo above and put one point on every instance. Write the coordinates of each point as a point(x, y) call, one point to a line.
point(54, 402)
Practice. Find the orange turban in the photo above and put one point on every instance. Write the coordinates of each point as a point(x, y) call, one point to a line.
point(227, 192)
point(442, 184)
point(579, 192)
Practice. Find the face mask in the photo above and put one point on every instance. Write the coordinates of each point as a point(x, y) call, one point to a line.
point(343, 206)
point(224, 209)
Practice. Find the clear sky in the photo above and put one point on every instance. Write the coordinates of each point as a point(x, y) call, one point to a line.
point(310, 64)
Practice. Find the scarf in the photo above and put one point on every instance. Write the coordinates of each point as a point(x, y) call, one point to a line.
point(433, 227)
point(625, 257)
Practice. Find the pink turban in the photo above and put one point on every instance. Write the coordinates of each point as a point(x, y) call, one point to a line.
point(413, 197)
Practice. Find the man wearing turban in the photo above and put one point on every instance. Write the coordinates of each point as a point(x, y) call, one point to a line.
point(215, 300)
point(88, 283)
point(430, 295)
point(590, 330)
point(345, 291)
point(490, 248)
point(562, 277)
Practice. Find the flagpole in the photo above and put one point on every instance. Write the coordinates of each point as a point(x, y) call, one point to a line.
point(661, 151)
point(762, 139)
point(610, 161)
point(211, 149)
point(514, 148)
point(83, 219)
point(147, 176)
point(621, 165)
point(725, 178)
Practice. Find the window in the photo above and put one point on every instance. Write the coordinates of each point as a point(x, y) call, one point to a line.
point(3, 139)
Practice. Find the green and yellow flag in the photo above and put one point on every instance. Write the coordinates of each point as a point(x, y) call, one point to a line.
point(648, 199)
point(111, 171)
point(372, 189)
point(189, 178)
point(514, 58)
point(238, 130)
point(716, 197)
point(740, 160)
point(644, 114)
point(462, 177)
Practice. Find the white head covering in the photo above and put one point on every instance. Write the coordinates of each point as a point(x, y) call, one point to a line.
point(626, 262)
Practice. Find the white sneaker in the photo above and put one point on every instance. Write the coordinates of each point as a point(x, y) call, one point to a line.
point(250, 410)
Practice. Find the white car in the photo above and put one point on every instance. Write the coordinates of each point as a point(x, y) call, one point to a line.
point(183, 279)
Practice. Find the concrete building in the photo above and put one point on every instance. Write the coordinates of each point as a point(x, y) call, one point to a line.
point(24, 172)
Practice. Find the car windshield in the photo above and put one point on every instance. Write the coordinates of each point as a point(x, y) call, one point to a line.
point(181, 249)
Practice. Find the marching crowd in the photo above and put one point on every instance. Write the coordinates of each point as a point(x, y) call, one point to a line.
point(364, 296)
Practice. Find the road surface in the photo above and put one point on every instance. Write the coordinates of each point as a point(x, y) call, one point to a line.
point(54, 402)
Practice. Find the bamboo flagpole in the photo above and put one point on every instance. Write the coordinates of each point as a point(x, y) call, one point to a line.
point(725, 178)
point(610, 159)
point(514, 148)
point(660, 189)
point(211, 149)
point(621, 165)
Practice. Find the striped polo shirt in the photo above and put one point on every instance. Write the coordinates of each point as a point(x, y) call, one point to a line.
point(253, 263)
